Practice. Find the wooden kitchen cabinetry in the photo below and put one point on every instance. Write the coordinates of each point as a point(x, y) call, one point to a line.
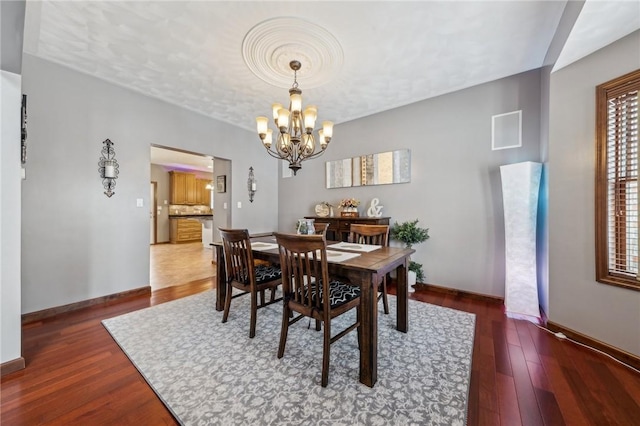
point(185, 230)
point(203, 195)
point(187, 189)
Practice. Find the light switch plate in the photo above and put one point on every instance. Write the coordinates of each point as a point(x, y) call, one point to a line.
point(239, 204)
point(139, 202)
point(224, 206)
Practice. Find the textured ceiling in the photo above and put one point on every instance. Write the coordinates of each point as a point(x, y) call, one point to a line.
point(229, 60)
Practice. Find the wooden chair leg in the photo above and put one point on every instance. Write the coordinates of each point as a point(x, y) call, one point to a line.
point(286, 313)
point(254, 312)
point(262, 298)
point(317, 325)
point(326, 353)
point(227, 303)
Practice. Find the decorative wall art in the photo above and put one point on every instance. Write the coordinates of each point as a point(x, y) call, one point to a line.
point(252, 184)
point(221, 183)
point(108, 167)
point(374, 169)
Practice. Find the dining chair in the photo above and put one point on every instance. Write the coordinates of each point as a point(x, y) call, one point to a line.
point(310, 292)
point(376, 235)
point(244, 274)
point(321, 228)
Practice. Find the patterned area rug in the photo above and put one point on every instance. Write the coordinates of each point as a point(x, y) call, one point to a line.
point(209, 373)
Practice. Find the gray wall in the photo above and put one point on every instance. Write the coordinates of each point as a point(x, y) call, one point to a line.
point(11, 35)
point(77, 244)
point(10, 321)
point(576, 300)
point(455, 187)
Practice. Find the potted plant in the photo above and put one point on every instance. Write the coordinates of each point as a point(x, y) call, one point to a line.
point(410, 233)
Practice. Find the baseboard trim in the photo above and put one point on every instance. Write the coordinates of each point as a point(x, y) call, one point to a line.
point(456, 292)
point(12, 366)
point(52, 312)
point(617, 353)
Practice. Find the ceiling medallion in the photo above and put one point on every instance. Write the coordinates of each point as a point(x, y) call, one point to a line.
point(271, 45)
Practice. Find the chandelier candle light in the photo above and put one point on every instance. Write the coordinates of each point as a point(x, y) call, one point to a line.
point(295, 142)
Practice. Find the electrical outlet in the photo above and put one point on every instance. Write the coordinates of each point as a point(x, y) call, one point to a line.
point(239, 204)
point(139, 202)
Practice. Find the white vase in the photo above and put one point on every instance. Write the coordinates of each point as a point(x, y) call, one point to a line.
point(411, 281)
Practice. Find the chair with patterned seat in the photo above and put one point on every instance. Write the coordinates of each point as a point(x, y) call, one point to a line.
point(309, 291)
point(375, 235)
point(244, 274)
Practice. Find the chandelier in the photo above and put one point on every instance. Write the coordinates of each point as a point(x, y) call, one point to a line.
point(295, 142)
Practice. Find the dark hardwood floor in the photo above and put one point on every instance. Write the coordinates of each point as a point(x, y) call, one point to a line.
point(521, 375)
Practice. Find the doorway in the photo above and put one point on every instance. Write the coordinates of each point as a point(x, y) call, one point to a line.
point(183, 262)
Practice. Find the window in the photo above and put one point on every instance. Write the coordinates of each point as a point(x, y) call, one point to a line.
point(617, 182)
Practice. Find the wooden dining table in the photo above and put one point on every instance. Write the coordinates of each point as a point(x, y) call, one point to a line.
point(367, 271)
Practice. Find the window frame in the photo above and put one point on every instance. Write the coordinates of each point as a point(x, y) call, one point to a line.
point(604, 92)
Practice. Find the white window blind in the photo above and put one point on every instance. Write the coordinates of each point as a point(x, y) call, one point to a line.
point(622, 166)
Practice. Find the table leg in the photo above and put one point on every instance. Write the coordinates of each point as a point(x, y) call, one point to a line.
point(369, 325)
point(403, 296)
point(221, 288)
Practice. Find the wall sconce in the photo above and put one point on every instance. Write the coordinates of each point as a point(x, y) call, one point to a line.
point(108, 167)
point(252, 184)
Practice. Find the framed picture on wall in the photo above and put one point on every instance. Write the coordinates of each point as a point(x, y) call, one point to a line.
point(221, 183)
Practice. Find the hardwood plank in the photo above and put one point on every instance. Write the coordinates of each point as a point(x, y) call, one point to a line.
point(627, 409)
point(487, 388)
point(529, 409)
point(538, 376)
point(526, 341)
point(500, 349)
point(587, 401)
point(565, 398)
point(629, 379)
point(508, 400)
point(549, 408)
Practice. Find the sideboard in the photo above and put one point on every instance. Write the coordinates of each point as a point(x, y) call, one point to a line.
point(339, 227)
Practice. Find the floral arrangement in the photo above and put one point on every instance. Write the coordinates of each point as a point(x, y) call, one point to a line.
point(349, 202)
point(326, 203)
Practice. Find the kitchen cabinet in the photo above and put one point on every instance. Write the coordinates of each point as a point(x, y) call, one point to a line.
point(190, 189)
point(185, 230)
point(178, 187)
point(184, 188)
point(203, 195)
